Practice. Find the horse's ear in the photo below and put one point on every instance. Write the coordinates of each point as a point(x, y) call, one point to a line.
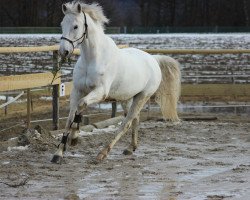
point(79, 8)
point(64, 8)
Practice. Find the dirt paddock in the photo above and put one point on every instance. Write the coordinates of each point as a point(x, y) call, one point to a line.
point(191, 160)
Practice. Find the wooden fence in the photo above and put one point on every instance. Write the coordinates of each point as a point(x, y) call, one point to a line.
point(20, 82)
point(29, 81)
point(197, 51)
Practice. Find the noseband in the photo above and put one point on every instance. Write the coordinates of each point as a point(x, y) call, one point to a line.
point(84, 35)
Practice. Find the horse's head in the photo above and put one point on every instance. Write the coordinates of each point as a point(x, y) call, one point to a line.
point(74, 28)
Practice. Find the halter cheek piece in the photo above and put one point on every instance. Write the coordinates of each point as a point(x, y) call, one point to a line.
point(84, 35)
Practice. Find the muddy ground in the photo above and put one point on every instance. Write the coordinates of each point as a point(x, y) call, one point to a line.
point(191, 160)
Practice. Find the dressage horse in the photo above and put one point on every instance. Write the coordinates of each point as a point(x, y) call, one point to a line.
point(103, 71)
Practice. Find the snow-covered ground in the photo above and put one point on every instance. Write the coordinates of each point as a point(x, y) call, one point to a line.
point(195, 68)
point(177, 40)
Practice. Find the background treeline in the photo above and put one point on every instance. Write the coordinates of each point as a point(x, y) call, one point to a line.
point(131, 13)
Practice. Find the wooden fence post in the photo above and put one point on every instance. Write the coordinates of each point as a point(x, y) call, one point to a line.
point(6, 107)
point(114, 109)
point(55, 94)
point(28, 108)
point(149, 108)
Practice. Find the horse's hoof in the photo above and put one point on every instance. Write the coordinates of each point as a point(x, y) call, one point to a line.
point(127, 152)
point(74, 142)
point(56, 159)
point(101, 156)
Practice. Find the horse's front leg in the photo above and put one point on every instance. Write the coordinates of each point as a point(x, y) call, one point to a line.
point(71, 129)
point(72, 126)
point(76, 116)
point(95, 96)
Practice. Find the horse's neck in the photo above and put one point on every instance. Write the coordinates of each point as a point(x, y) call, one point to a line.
point(94, 49)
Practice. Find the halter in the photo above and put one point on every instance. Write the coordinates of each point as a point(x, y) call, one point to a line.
point(84, 35)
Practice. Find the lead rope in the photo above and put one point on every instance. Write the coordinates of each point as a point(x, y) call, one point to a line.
point(55, 71)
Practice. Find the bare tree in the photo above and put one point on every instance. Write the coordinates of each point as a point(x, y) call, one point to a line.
point(133, 12)
point(246, 11)
point(6, 15)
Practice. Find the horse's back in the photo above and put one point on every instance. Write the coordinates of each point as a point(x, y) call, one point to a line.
point(139, 60)
point(136, 71)
point(144, 62)
point(136, 53)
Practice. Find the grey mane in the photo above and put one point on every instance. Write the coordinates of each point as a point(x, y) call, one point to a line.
point(94, 10)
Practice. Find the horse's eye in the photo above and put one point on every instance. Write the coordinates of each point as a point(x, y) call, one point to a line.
point(75, 27)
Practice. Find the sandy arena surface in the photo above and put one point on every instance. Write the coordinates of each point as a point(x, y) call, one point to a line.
point(197, 160)
point(192, 160)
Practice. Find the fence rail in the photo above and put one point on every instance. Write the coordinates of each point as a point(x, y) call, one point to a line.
point(26, 81)
point(29, 81)
point(197, 51)
point(198, 90)
point(234, 90)
point(8, 50)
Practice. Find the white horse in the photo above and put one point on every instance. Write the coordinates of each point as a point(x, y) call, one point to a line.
point(103, 71)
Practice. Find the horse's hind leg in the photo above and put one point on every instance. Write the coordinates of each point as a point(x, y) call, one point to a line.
point(134, 142)
point(126, 106)
point(138, 103)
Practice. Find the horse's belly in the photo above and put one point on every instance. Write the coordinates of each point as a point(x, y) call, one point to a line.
point(123, 92)
point(120, 96)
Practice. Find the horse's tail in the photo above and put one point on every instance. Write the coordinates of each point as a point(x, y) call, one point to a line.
point(168, 93)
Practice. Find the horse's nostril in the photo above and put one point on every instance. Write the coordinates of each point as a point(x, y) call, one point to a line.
point(66, 53)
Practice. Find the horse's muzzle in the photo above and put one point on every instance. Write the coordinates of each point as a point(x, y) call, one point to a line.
point(64, 53)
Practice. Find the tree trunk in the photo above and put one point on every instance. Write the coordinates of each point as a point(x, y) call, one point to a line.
point(172, 18)
point(50, 12)
point(246, 12)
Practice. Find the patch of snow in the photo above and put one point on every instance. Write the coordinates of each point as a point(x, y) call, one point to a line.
point(14, 138)
point(20, 148)
point(3, 98)
point(37, 135)
point(111, 128)
point(75, 155)
point(46, 98)
point(65, 71)
point(106, 106)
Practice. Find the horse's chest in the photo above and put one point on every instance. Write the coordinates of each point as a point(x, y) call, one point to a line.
point(87, 80)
